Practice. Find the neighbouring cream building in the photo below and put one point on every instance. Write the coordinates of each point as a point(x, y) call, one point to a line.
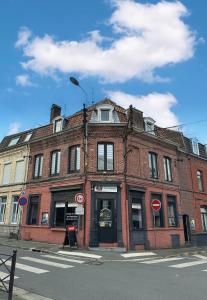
point(14, 157)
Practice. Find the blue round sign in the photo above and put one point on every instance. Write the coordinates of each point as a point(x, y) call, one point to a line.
point(22, 201)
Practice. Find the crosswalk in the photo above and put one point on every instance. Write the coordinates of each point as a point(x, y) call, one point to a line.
point(177, 262)
point(43, 264)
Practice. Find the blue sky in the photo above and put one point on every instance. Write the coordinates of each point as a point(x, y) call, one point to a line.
point(152, 54)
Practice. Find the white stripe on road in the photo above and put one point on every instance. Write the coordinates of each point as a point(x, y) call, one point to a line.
point(47, 262)
point(189, 264)
point(138, 254)
point(81, 254)
point(64, 259)
point(201, 256)
point(3, 275)
point(156, 261)
point(29, 268)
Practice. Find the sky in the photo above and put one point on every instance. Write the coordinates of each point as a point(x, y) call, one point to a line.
point(148, 53)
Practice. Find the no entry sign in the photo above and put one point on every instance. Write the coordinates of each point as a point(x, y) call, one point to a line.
point(156, 205)
point(80, 198)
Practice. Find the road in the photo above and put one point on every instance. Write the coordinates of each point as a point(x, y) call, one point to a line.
point(134, 278)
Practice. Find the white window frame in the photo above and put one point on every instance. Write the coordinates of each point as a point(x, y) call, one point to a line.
point(28, 137)
point(105, 107)
point(55, 121)
point(16, 205)
point(9, 178)
point(13, 141)
point(23, 174)
point(195, 146)
point(4, 208)
point(203, 210)
point(149, 125)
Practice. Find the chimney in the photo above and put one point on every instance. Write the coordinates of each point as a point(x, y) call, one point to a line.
point(55, 111)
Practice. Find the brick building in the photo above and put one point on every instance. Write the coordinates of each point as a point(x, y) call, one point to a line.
point(121, 161)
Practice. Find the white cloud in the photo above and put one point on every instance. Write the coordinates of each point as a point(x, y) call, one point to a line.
point(145, 37)
point(14, 128)
point(23, 37)
point(23, 80)
point(154, 105)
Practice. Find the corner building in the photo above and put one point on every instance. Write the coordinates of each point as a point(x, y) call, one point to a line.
point(120, 161)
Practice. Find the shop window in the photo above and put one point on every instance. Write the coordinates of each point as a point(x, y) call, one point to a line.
point(38, 166)
point(137, 219)
point(158, 220)
point(204, 217)
point(105, 157)
point(6, 173)
point(200, 181)
point(172, 212)
point(55, 163)
point(2, 208)
point(153, 165)
point(63, 213)
point(15, 210)
point(167, 168)
point(74, 159)
point(19, 172)
point(33, 210)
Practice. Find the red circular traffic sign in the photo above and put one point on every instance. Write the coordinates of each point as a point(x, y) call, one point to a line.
point(156, 205)
point(22, 201)
point(80, 198)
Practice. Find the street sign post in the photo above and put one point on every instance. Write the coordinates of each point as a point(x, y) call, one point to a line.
point(156, 206)
point(80, 198)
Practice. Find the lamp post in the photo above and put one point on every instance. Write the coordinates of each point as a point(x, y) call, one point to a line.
point(74, 81)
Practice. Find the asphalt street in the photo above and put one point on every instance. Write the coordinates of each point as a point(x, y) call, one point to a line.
point(135, 278)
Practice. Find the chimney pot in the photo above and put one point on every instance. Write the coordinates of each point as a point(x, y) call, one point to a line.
point(55, 111)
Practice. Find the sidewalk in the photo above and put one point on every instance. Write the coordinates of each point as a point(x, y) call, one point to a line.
point(20, 294)
point(106, 253)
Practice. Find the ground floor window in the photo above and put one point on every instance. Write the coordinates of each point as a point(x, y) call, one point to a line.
point(33, 210)
point(137, 220)
point(204, 217)
point(172, 212)
point(2, 208)
point(15, 209)
point(63, 213)
point(158, 220)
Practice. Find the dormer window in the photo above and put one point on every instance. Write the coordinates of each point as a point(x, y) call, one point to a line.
point(149, 124)
point(105, 115)
point(195, 146)
point(58, 125)
point(28, 137)
point(13, 141)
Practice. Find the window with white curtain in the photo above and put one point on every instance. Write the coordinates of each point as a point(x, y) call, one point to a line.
point(105, 157)
point(204, 217)
point(6, 173)
point(15, 209)
point(55, 162)
point(2, 208)
point(74, 158)
point(19, 172)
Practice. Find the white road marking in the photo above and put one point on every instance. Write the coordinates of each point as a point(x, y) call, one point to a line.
point(29, 268)
point(47, 262)
point(156, 261)
point(3, 275)
point(201, 256)
point(81, 254)
point(131, 260)
point(189, 264)
point(64, 259)
point(138, 254)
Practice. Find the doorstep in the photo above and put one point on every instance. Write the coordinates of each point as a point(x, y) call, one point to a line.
point(108, 249)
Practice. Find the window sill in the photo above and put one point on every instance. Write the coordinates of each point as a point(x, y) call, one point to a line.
point(57, 229)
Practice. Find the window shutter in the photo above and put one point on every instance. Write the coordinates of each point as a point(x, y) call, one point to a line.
point(72, 159)
point(58, 162)
point(7, 172)
point(19, 175)
point(101, 157)
point(78, 158)
point(36, 166)
point(53, 163)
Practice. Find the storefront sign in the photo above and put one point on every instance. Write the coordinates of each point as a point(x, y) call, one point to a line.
point(71, 217)
point(79, 210)
point(105, 189)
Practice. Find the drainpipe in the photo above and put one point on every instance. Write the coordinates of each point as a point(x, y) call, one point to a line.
point(85, 149)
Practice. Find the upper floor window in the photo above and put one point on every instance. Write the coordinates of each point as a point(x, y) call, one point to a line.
point(58, 125)
point(105, 117)
point(19, 172)
point(55, 163)
point(153, 165)
point(38, 166)
point(28, 137)
point(167, 168)
point(14, 141)
point(200, 180)
point(195, 146)
point(74, 158)
point(2, 208)
point(6, 173)
point(104, 114)
point(149, 125)
point(105, 157)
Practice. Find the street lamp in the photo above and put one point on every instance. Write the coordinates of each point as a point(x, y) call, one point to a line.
point(74, 81)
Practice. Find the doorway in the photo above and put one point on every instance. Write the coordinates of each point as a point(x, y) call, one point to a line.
point(106, 221)
point(186, 227)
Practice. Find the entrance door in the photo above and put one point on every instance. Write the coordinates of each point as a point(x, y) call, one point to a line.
point(186, 227)
point(106, 221)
